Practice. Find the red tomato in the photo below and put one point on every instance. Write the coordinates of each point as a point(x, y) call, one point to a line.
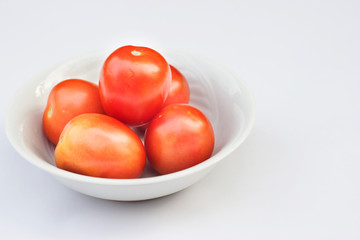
point(179, 88)
point(67, 100)
point(134, 84)
point(179, 91)
point(100, 146)
point(179, 136)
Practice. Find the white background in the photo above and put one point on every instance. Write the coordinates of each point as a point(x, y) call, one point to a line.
point(297, 176)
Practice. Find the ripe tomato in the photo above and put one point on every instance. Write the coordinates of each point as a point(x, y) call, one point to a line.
point(179, 136)
point(134, 84)
point(66, 100)
point(179, 88)
point(179, 91)
point(100, 146)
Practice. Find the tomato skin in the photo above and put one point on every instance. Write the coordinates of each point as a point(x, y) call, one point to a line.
point(179, 91)
point(179, 136)
point(100, 146)
point(134, 84)
point(179, 88)
point(66, 100)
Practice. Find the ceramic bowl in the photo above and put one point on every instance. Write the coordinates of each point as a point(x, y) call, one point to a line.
point(222, 96)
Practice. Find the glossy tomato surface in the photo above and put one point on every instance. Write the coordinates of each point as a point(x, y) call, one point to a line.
point(100, 146)
point(66, 100)
point(179, 136)
point(179, 91)
point(179, 88)
point(134, 84)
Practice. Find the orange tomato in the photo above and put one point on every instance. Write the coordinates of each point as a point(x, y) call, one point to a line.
point(100, 146)
point(66, 100)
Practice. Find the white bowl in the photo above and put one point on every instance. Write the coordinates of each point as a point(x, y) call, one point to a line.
point(218, 93)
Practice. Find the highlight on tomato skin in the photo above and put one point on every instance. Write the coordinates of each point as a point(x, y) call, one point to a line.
point(134, 83)
point(66, 100)
point(98, 145)
point(179, 136)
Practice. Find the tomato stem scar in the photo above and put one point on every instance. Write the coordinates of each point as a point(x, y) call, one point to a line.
point(135, 53)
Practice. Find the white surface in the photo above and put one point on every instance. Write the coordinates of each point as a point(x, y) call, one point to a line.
point(296, 176)
point(228, 104)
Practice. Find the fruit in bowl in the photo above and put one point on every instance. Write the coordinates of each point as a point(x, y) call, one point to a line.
point(136, 87)
point(219, 94)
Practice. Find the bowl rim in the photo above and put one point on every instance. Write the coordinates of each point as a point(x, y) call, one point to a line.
point(57, 172)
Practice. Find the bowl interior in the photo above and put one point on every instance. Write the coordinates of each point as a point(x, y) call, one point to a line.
point(218, 93)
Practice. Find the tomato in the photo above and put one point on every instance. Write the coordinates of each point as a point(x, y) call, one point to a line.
point(134, 84)
point(179, 88)
point(66, 100)
point(100, 146)
point(179, 91)
point(179, 136)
